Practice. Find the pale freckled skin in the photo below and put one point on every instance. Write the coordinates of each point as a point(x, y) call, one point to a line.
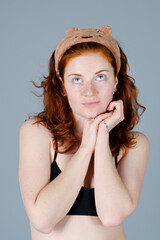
point(90, 86)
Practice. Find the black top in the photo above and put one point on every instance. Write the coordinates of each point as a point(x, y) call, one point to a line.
point(85, 201)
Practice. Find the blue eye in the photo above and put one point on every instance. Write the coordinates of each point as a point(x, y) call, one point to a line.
point(101, 77)
point(76, 80)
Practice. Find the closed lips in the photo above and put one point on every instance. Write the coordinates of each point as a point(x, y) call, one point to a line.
point(90, 102)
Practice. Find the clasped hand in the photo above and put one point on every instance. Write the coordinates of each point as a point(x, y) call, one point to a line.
point(95, 129)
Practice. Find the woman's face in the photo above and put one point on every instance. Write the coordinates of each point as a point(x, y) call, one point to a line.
point(89, 83)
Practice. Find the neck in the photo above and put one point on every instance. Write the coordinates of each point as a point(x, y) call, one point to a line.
point(79, 123)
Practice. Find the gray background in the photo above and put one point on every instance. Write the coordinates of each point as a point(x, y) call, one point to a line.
point(29, 32)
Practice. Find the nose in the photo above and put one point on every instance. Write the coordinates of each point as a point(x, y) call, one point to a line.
point(89, 89)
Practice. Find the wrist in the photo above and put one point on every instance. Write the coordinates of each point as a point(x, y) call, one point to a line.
point(86, 147)
point(103, 140)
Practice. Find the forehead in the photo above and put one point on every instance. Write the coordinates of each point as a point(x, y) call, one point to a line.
point(87, 61)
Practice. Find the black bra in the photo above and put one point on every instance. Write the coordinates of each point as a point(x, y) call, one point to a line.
point(85, 201)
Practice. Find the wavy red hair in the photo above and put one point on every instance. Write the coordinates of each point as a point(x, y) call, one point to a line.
point(57, 115)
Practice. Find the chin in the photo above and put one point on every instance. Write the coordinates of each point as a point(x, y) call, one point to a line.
point(93, 114)
point(89, 113)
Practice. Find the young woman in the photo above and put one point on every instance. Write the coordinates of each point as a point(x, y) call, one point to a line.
point(81, 167)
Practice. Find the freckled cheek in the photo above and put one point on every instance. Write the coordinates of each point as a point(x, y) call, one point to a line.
point(73, 99)
point(106, 98)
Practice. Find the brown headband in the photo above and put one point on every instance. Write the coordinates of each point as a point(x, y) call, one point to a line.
point(74, 36)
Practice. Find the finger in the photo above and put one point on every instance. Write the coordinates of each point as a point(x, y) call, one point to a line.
point(115, 104)
point(101, 117)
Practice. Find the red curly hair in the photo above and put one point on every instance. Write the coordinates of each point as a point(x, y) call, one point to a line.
point(57, 115)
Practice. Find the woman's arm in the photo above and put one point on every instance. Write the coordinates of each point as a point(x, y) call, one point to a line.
point(117, 191)
point(46, 202)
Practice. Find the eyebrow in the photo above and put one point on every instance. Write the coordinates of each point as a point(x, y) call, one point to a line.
point(82, 75)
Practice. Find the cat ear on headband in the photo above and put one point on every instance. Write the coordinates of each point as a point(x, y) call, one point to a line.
point(104, 28)
point(73, 29)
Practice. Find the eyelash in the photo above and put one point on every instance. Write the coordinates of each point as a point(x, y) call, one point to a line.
point(98, 76)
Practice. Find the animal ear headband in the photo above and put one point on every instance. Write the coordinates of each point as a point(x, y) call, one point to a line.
point(74, 36)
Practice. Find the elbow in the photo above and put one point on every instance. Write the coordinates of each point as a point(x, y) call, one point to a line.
point(42, 224)
point(116, 219)
point(42, 227)
point(112, 221)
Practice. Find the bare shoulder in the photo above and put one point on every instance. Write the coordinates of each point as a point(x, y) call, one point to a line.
point(30, 127)
point(141, 139)
point(142, 144)
point(35, 135)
